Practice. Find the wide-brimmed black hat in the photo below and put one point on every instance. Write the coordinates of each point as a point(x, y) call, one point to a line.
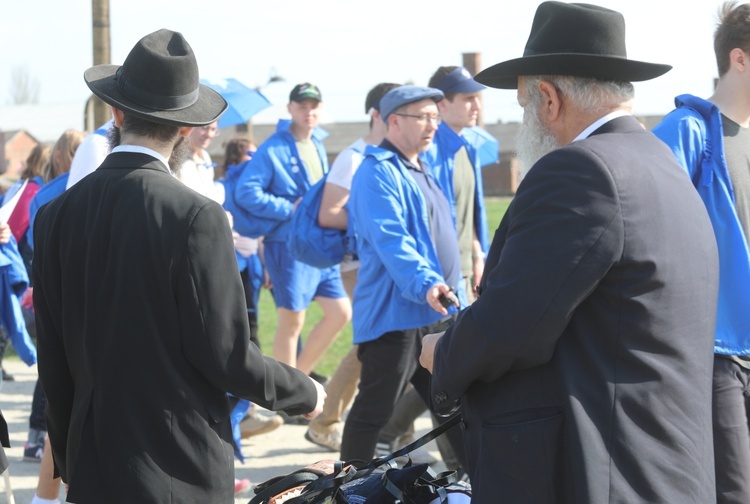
point(159, 82)
point(573, 39)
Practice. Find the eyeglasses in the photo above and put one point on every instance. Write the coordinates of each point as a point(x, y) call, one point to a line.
point(423, 118)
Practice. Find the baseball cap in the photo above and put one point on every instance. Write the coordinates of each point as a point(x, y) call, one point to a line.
point(305, 91)
point(459, 81)
point(403, 95)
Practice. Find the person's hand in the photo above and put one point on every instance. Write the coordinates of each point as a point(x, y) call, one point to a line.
point(321, 400)
point(477, 270)
point(433, 297)
point(294, 206)
point(267, 280)
point(27, 299)
point(429, 342)
point(4, 233)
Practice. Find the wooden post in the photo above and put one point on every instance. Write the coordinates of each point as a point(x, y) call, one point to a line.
point(102, 52)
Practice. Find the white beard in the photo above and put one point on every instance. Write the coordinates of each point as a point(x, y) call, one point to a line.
point(534, 140)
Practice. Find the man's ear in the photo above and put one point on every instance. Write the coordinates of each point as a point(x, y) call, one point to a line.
point(186, 130)
point(739, 59)
point(117, 116)
point(551, 101)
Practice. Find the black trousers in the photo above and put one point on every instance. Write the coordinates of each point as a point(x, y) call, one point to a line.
point(37, 420)
point(731, 421)
point(388, 364)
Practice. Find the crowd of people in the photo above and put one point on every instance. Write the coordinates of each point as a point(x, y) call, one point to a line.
point(596, 347)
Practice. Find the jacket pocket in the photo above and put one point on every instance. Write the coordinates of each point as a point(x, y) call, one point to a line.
point(519, 457)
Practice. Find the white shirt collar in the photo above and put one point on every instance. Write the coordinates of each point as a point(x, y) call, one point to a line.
point(596, 124)
point(143, 150)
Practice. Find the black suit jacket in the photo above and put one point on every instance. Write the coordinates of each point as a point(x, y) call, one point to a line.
point(143, 330)
point(584, 368)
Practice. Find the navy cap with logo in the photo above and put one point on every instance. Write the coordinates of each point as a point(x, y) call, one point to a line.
point(305, 91)
point(459, 81)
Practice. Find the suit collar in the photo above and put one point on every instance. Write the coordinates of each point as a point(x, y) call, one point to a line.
point(600, 122)
point(133, 160)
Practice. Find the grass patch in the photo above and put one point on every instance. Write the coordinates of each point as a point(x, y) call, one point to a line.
point(496, 207)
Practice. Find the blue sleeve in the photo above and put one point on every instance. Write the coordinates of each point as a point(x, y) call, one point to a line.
point(684, 132)
point(381, 219)
point(253, 188)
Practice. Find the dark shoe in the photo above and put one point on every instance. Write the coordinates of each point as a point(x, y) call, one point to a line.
point(323, 380)
point(33, 452)
point(7, 376)
point(293, 419)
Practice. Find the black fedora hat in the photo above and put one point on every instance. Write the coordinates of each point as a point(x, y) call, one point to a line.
point(573, 39)
point(159, 82)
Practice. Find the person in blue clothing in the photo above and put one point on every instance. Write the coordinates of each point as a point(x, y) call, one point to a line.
point(283, 169)
point(457, 168)
point(408, 258)
point(711, 140)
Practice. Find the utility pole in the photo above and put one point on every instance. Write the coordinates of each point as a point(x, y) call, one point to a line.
point(473, 63)
point(102, 52)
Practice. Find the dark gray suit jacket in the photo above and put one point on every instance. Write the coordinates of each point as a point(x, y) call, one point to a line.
point(143, 330)
point(584, 368)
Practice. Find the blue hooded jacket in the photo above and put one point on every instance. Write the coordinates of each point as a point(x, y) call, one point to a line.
point(274, 179)
point(399, 262)
point(694, 132)
point(13, 283)
point(441, 157)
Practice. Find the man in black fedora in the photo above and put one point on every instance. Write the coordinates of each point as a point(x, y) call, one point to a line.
point(140, 308)
point(584, 368)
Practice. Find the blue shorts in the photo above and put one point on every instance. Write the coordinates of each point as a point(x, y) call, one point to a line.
point(295, 283)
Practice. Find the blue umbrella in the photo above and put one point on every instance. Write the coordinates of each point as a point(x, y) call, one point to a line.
point(487, 146)
point(244, 102)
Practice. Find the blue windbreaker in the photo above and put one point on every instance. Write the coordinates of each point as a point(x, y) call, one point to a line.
point(441, 157)
point(13, 283)
point(275, 177)
point(399, 262)
point(47, 193)
point(695, 134)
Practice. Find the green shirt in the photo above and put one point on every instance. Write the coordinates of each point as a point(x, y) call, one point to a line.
point(309, 156)
point(464, 187)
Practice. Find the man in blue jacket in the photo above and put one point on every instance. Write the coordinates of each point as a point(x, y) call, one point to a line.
point(283, 169)
point(711, 140)
point(409, 258)
point(457, 168)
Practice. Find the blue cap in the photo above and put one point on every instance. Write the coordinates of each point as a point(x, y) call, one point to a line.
point(404, 95)
point(459, 81)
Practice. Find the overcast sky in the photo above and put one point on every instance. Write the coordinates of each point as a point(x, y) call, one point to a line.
point(343, 46)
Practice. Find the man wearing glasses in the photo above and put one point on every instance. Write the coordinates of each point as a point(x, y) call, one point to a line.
point(408, 258)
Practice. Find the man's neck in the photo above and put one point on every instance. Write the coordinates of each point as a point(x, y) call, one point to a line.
point(163, 148)
point(411, 155)
point(457, 129)
point(300, 133)
point(732, 101)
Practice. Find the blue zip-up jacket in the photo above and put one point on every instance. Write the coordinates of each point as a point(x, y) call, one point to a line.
point(47, 193)
point(441, 157)
point(13, 283)
point(695, 134)
point(275, 177)
point(399, 262)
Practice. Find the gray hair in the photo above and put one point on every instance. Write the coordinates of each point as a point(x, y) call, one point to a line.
point(590, 95)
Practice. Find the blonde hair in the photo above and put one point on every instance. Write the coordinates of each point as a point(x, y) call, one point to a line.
point(62, 154)
point(38, 157)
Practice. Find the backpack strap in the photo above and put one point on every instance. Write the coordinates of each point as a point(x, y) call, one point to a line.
point(437, 431)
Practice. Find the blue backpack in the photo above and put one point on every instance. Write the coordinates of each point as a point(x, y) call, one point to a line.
point(245, 223)
point(310, 243)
